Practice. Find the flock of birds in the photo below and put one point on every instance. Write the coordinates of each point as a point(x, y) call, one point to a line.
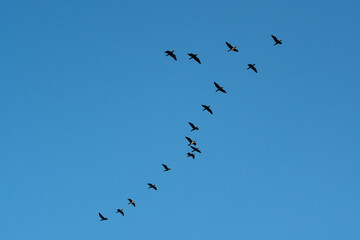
point(192, 143)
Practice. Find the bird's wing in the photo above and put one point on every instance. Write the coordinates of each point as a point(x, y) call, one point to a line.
point(255, 69)
point(223, 90)
point(165, 166)
point(155, 188)
point(174, 57)
point(192, 125)
point(197, 59)
point(122, 213)
point(210, 111)
point(133, 204)
point(217, 85)
point(236, 50)
point(101, 216)
point(275, 38)
point(130, 200)
point(189, 139)
point(229, 45)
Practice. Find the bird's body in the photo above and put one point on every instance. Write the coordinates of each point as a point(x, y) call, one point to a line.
point(221, 89)
point(252, 66)
point(152, 186)
point(131, 201)
point(231, 48)
point(207, 108)
point(194, 56)
point(193, 127)
point(191, 155)
point(166, 168)
point(195, 149)
point(277, 41)
point(102, 217)
point(171, 54)
point(191, 142)
point(120, 211)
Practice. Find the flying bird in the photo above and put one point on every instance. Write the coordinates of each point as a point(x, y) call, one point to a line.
point(171, 54)
point(221, 89)
point(120, 211)
point(277, 41)
point(131, 201)
point(252, 66)
point(166, 168)
point(231, 48)
point(152, 186)
point(207, 108)
point(191, 155)
point(102, 217)
point(190, 141)
point(195, 149)
point(194, 56)
point(193, 127)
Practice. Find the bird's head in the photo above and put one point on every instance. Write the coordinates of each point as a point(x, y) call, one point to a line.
point(196, 54)
point(173, 51)
point(209, 105)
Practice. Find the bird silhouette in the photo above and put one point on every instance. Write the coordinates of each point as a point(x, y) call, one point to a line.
point(152, 186)
point(171, 54)
point(166, 168)
point(252, 66)
point(221, 89)
point(120, 211)
point(194, 56)
point(193, 127)
point(131, 201)
point(277, 41)
point(195, 149)
point(191, 142)
point(207, 108)
point(191, 155)
point(102, 217)
point(231, 48)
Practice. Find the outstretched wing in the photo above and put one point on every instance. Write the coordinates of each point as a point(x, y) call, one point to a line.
point(122, 213)
point(254, 69)
point(166, 167)
point(217, 85)
point(275, 38)
point(130, 200)
point(210, 111)
point(173, 56)
point(192, 125)
point(133, 204)
point(197, 59)
point(101, 216)
point(222, 90)
point(229, 45)
point(189, 139)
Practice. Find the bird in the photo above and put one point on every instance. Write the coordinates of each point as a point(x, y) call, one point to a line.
point(195, 149)
point(120, 211)
point(102, 217)
point(190, 141)
point(191, 155)
point(131, 201)
point(231, 47)
point(166, 168)
point(193, 127)
point(152, 186)
point(171, 54)
point(252, 66)
point(207, 108)
point(221, 89)
point(277, 41)
point(194, 56)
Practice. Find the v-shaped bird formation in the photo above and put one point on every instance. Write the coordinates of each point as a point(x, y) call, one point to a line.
point(191, 142)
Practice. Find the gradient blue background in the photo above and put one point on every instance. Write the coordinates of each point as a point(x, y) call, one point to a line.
point(91, 107)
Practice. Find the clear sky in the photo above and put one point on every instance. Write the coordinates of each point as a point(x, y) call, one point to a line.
point(91, 108)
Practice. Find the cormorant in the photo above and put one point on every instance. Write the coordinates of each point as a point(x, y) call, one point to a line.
point(190, 141)
point(221, 89)
point(102, 217)
point(152, 186)
point(207, 108)
point(195, 149)
point(120, 211)
point(166, 168)
point(131, 201)
point(252, 66)
point(191, 155)
point(171, 54)
point(194, 56)
point(277, 41)
point(231, 47)
point(193, 127)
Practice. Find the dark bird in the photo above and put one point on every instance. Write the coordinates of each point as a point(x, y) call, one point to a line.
point(171, 54)
point(190, 141)
point(252, 66)
point(194, 56)
point(191, 155)
point(166, 168)
point(120, 211)
point(193, 127)
point(152, 186)
point(207, 108)
point(231, 47)
point(131, 201)
point(277, 41)
point(195, 149)
point(221, 89)
point(102, 217)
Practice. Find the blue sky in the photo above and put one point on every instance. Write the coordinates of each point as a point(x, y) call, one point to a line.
point(91, 107)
